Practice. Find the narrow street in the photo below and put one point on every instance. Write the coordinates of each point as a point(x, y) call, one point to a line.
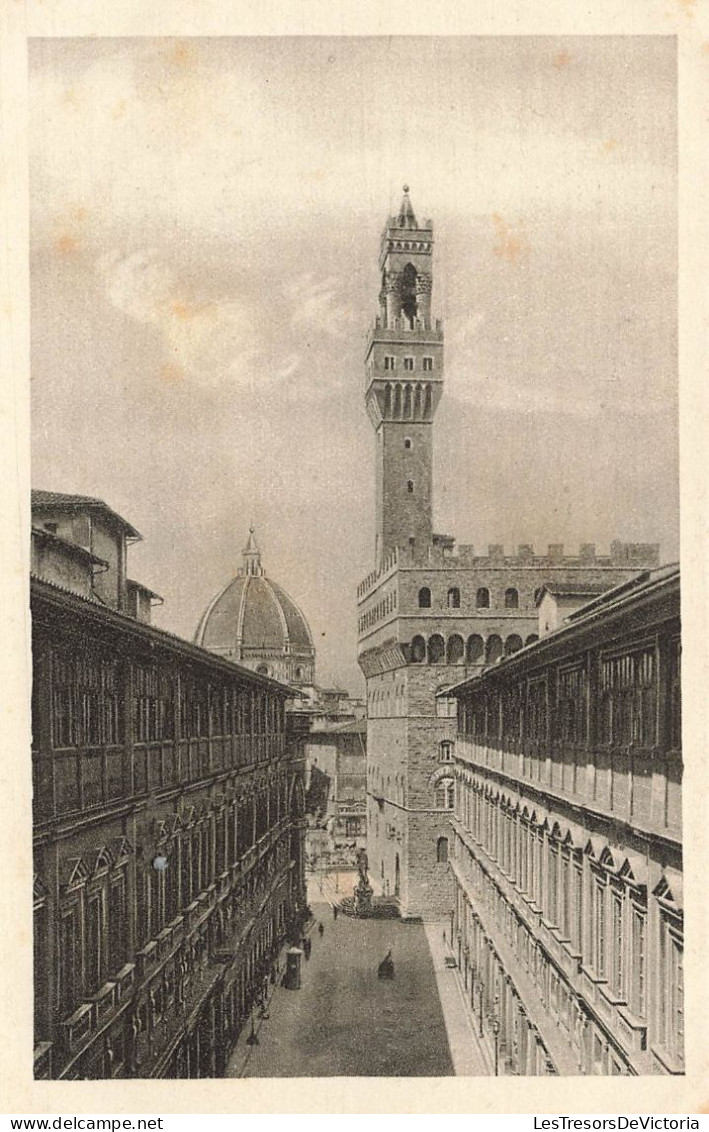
point(344, 1021)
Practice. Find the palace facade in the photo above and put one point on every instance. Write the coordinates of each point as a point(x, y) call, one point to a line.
point(566, 850)
point(430, 613)
point(169, 820)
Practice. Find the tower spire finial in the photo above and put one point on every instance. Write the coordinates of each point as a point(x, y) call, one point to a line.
point(252, 555)
point(406, 217)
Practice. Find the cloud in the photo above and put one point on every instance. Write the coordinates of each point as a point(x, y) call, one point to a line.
point(533, 394)
point(206, 339)
point(317, 305)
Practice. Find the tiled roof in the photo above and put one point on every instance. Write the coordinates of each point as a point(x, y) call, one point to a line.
point(65, 502)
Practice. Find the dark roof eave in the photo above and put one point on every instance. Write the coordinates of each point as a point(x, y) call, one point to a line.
point(121, 621)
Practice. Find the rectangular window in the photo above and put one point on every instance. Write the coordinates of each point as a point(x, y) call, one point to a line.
point(389, 361)
point(599, 927)
point(671, 997)
point(577, 904)
point(69, 961)
point(637, 960)
point(675, 694)
point(94, 942)
point(117, 916)
point(553, 874)
point(629, 699)
point(427, 365)
point(409, 364)
point(572, 705)
point(64, 694)
point(616, 942)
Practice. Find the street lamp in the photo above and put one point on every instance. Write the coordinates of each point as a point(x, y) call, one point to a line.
point(496, 1037)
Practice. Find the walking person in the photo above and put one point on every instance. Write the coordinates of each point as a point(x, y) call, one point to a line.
point(321, 930)
point(334, 911)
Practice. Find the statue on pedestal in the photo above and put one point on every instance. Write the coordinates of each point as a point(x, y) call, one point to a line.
point(364, 892)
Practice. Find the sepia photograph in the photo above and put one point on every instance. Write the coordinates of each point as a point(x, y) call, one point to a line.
point(356, 699)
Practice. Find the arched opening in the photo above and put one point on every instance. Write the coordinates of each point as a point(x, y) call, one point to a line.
point(442, 850)
point(454, 598)
point(531, 639)
point(493, 649)
point(262, 669)
point(407, 402)
point(418, 650)
point(482, 598)
point(397, 401)
point(424, 598)
point(474, 649)
point(409, 301)
point(455, 650)
point(436, 649)
point(387, 400)
point(410, 486)
point(513, 644)
point(299, 673)
point(445, 794)
point(407, 442)
point(397, 876)
point(417, 403)
point(511, 598)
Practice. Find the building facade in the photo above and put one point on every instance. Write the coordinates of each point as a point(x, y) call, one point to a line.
point(336, 792)
point(567, 848)
point(169, 824)
point(430, 612)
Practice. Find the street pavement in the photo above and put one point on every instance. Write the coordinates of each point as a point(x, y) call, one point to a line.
point(344, 1021)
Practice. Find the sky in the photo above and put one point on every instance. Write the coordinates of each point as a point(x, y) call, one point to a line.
point(205, 224)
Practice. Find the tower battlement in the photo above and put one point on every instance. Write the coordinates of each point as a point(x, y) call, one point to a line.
point(622, 555)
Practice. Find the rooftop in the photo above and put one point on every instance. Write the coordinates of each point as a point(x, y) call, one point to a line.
point(60, 501)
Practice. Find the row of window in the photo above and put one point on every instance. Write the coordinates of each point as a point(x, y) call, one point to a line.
point(382, 609)
point(494, 996)
point(456, 650)
point(619, 707)
point(409, 363)
point(603, 913)
point(482, 598)
point(93, 928)
point(87, 695)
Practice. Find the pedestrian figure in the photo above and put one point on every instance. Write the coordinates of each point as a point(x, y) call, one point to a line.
point(444, 937)
point(386, 967)
point(334, 911)
point(321, 930)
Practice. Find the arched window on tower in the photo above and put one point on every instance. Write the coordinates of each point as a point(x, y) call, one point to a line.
point(424, 598)
point(409, 301)
point(511, 598)
point(418, 650)
point(482, 599)
point(407, 442)
point(454, 598)
point(493, 649)
point(410, 486)
point(455, 650)
point(442, 850)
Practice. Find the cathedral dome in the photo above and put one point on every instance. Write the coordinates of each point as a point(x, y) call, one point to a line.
point(254, 622)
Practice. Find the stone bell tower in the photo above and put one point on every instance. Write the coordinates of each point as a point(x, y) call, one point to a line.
point(403, 384)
